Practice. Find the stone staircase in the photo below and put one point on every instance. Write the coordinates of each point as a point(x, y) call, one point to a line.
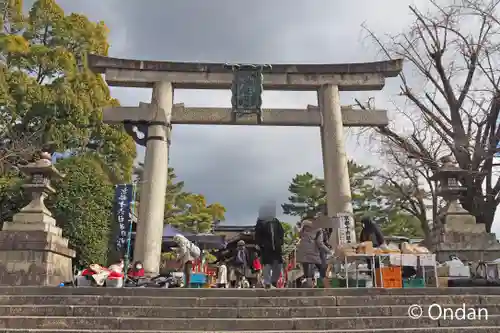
point(92, 310)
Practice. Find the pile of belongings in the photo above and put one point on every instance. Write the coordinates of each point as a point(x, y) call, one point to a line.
point(407, 248)
point(385, 249)
point(100, 275)
point(347, 250)
point(454, 268)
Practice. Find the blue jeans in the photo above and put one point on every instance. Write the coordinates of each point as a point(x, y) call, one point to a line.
point(271, 273)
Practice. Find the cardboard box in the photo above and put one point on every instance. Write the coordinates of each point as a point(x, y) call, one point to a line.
point(443, 282)
point(365, 248)
point(443, 271)
point(345, 250)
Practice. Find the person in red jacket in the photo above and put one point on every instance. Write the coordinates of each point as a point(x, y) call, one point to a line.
point(136, 271)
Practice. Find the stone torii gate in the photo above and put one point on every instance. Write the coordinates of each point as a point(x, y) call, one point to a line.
point(155, 121)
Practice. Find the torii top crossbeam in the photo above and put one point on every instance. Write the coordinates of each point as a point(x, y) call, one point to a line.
point(190, 75)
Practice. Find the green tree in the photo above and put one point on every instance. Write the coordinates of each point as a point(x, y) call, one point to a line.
point(49, 94)
point(50, 100)
point(83, 206)
point(11, 196)
point(399, 223)
point(174, 195)
point(308, 192)
point(289, 233)
point(194, 215)
point(308, 197)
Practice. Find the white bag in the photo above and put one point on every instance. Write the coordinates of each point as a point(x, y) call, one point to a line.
point(194, 251)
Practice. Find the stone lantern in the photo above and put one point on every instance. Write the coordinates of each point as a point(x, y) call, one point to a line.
point(40, 174)
point(458, 233)
point(448, 177)
point(32, 249)
point(453, 215)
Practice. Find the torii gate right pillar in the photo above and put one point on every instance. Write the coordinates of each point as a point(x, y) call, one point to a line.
point(336, 173)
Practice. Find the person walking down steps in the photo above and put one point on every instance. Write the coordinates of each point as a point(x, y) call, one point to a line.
point(269, 236)
point(241, 263)
point(222, 275)
point(309, 250)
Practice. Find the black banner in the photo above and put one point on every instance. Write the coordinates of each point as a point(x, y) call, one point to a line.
point(124, 196)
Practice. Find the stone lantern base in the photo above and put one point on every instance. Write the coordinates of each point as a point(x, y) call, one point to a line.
point(33, 252)
point(460, 235)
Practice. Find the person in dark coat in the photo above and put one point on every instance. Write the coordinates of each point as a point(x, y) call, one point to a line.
point(241, 262)
point(371, 232)
point(270, 236)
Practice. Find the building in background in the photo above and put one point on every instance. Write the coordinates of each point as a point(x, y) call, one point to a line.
point(231, 231)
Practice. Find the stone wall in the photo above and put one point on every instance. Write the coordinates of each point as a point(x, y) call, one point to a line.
point(468, 246)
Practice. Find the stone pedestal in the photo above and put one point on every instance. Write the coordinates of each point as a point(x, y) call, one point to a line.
point(32, 249)
point(460, 235)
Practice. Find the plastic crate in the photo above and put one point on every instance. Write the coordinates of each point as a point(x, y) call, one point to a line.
point(198, 278)
point(388, 283)
point(335, 283)
point(391, 277)
point(414, 283)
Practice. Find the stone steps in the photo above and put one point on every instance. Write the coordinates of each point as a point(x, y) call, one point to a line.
point(465, 329)
point(405, 330)
point(92, 310)
point(224, 312)
point(231, 302)
point(242, 324)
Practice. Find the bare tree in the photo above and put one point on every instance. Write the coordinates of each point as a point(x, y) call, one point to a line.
point(453, 99)
point(405, 179)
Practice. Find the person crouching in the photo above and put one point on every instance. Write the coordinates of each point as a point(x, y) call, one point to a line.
point(187, 253)
point(309, 250)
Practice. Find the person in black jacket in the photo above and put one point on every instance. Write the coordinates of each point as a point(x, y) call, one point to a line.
point(269, 236)
point(371, 232)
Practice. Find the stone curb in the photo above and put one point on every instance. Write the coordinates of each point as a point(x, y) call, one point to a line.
point(42, 291)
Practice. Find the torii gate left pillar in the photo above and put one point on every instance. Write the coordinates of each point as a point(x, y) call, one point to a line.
point(147, 246)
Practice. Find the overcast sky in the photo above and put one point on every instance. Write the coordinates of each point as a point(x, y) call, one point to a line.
point(241, 167)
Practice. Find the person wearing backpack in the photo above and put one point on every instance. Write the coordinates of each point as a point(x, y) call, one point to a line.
point(241, 262)
point(269, 237)
point(187, 253)
point(309, 250)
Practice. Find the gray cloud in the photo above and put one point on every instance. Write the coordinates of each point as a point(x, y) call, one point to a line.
point(241, 167)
